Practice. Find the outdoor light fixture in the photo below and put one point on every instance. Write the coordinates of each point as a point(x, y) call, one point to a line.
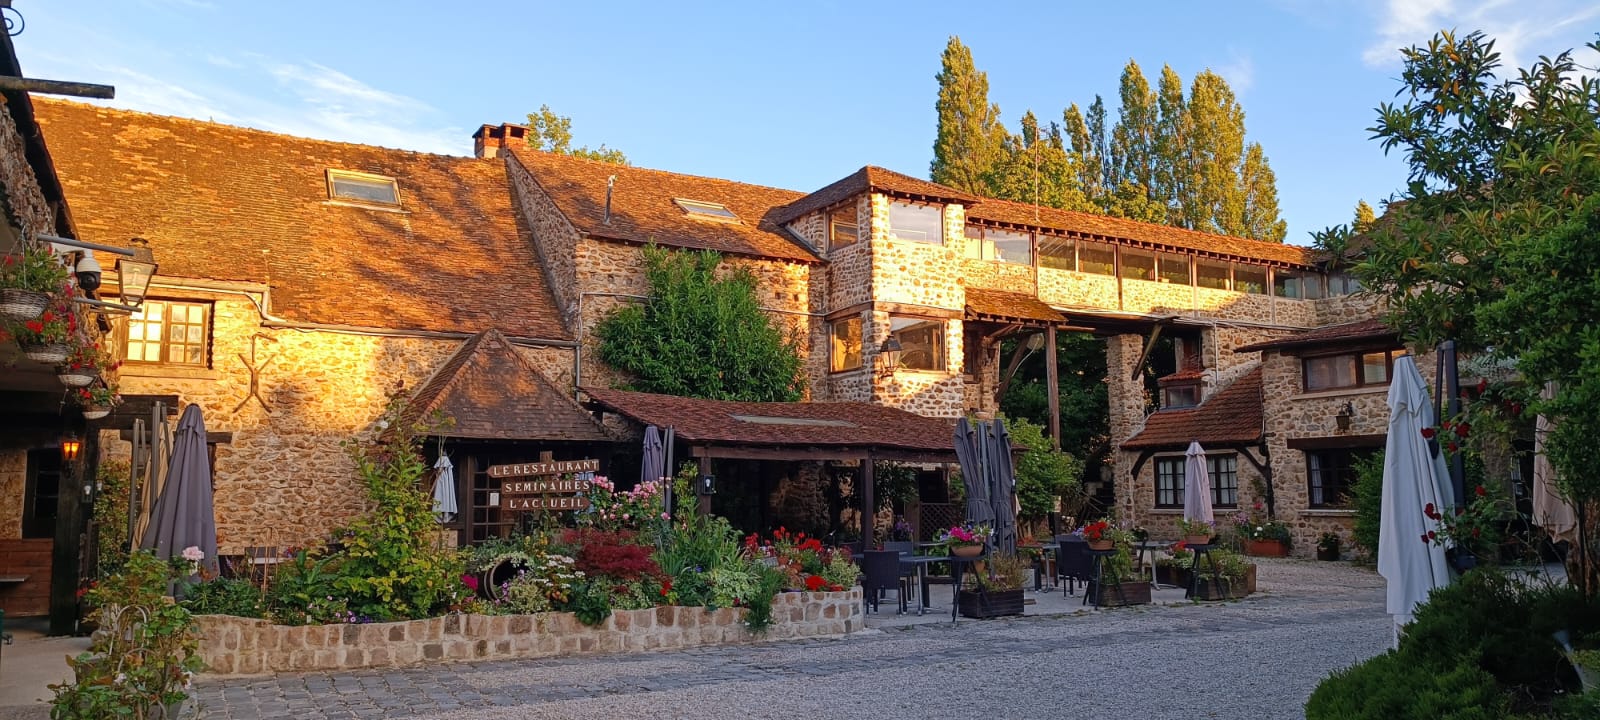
point(70, 447)
point(1343, 418)
point(706, 485)
point(134, 271)
point(133, 280)
point(888, 356)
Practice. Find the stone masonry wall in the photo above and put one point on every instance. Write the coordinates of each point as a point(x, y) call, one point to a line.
point(284, 479)
point(1163, 522)
point(24, 202)
point(1127, 400)
point(1076, 289)
point(13, 491)
point(554, 238)
point(242, 646)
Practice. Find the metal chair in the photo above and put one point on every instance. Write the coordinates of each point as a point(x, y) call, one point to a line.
point(880, 570)
point(909, 572)
point(1073, 564)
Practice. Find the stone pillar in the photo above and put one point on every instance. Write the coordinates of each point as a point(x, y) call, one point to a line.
point(1126, 396)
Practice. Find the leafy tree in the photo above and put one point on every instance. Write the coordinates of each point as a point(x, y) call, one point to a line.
point(1081, 381)
point(1102, 161)
point(1133, 139)
point(1261, 221)
point(1364, 217)
point(1172, 140)
point(1495, 242)
point(969, 140)
point(1214, 202)
point(1085, 154)
point(550, 132)
point(1035, 168)
point(701, 334)
point(1043, 473)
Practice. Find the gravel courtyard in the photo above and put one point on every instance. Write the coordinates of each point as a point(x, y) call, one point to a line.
point(1255, 658)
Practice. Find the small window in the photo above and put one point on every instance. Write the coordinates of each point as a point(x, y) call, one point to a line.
point(1057, 253)
point(706, 210)
point(846, 349)
point(1342, 284)
point(1169, 482)
point(169, 332)
point(1186, 395)
point(917, 223)
point(1002, 245)
point(1224, 471)
point(1097, 258)
point(1332, 475)
point(842, 228)
point(1138, 264)
point(1297, 284)
point(1250, 278)
point(921, 343)
point(1349, 370)
point(41, 493)
point(1173, 268)
point(363, 187)
point(1212, 274)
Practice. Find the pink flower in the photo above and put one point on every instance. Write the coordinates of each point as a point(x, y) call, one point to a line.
point(193, 553)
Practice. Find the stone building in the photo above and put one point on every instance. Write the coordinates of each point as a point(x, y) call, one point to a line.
point(311, 279)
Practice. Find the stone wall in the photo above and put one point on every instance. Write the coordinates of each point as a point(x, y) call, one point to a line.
point(1127, 400)
point(997, 275)
point(850, 268)
point(554, 238)
point(284, 479)
point(1076, 289)
point(1163, 522)
point(13, 491)
point(25, 204)
point(239, 646)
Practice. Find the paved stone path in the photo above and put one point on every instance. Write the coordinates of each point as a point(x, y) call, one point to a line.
point(1257, 658)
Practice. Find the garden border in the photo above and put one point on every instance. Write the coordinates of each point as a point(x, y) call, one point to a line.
point(242, 646)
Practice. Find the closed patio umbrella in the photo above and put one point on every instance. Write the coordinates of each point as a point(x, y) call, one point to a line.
point(184, 515)
point(444, 489)
point(1196, 485)
point(1551, 511)
point(1002, 488)
point(654, 461)
point(1414, 476)
point(970, 453)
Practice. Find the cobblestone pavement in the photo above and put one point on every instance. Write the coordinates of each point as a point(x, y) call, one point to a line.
point(1255, 658)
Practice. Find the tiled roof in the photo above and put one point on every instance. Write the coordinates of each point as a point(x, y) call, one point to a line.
point(1102, 226)
point(874, 178)
point(1010, 306)
point(1228, 417)
point(642, 207)
point(226, 203)
point(491, 393)
point(1372, 329)
point(807, 424)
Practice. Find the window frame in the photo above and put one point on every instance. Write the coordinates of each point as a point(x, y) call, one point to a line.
point(1357, 360)
point(1169, 470)
point(1166, 394)
point(42, 464)
point(1200, 264)
point(1218, 487)
point(834, 220)
point(1058, 261)
point(706, 210)
point(941, 357)
point(207, 327)
point(1345, 475)
point(833, 344)
point(936, 207)
point(1262, 288)
point(355, 176)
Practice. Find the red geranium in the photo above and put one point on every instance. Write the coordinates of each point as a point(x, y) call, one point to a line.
point(1427, 433)
point(815, 583)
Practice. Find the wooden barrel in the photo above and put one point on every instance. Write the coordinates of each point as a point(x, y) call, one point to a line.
point(490, 581)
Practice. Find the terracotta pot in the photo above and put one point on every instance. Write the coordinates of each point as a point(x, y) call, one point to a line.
point(1197, 539)
point(1101, 544)
point(966, 551)
point(51, 353)
point(23, 305)
point(1266, 548)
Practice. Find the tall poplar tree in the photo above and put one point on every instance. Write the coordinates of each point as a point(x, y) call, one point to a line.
point(1096, 121)
point(1215, 199)
point(970, 139)
point(1364, 217)
point(1085, 156)
point(1133, 138)
point(1261, 221)
point(1171, 154)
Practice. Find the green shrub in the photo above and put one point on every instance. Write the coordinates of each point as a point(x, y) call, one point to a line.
point(111, 515)
point(1368, 502)
point(302, 591)
point(225, 596)
point(1393, 687)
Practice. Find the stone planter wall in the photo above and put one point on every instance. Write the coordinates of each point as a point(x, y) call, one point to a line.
point(234, 645)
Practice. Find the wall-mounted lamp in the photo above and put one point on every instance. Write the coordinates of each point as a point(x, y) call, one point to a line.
point(1345, 414)
point(706, 485)
point(134, 271)
point(70, 447)
point(888, 356)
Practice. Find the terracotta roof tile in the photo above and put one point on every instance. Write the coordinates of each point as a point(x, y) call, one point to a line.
point(873, 178)
point(1372, 329)
point(642, 207)
point(809, 424)
point(492, 393)
point(227, 203)
point(1010, 306)
point(1164, 236)
point(1229, 417)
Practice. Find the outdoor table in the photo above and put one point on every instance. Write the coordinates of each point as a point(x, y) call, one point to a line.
point(958, 569)
point(922, 562)
point(1097, 569)
point(1042, 567)
point(1194, 571)
point(1151, 546)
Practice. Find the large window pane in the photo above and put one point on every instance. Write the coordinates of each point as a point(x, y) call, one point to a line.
point(1058, 253)
point(1097, 258)
point(1375, 368)
point(1169, 482)
point(921, 343)
point(1324, 373)
point(1297, 284)
point(1211, 274)
point(1138, 264)
point(1250, 278)
point(846, 349)
point(1173, 268)
point(1010, 246)
point(842, 230)
point(918, 223)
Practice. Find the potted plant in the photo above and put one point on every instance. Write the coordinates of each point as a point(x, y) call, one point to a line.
point(1099, 534)
point(47, 338)
point(995, 592)
point(1328, 546)
point(27, 280)
point(1468, 533)
point(1223, 575)
point(83, 364)
point(1119, 585)
point(98, 399)
point(965, 540)
point(1261, 536)
point(1197, 532)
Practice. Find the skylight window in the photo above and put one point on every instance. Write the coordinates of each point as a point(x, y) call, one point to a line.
point(707, 210)
point(363, 187)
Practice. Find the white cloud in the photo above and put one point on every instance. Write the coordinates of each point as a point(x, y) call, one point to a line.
point(1521, 30)
point(1239, 71)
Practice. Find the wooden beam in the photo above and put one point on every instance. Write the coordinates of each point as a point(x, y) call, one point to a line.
point(57, 87)
point(991, 338)
point(1052, 386)
point(1138, 367)
point(1011, 368)
point(851, 311)
point(868, 505)
point(741, 452)
point(1335, 442)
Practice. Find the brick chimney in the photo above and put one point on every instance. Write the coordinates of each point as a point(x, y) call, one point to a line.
point(489, 140)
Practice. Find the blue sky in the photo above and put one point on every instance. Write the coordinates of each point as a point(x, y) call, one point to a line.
point(794, 95)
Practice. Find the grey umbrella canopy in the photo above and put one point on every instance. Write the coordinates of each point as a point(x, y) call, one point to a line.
point(184, 516)
point(1002, 487)
point(970, 451)
point(653, 464)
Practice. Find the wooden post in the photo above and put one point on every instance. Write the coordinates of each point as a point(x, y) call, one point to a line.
point(1052, 387)
point(705, 500)
point(868, 505)
point(64, 558)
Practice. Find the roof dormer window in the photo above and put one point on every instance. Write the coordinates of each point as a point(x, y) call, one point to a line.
point(706, 210)
point(365, 188)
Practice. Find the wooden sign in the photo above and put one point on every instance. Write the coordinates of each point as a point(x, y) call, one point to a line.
point(546, 502)
point(545, 467)
point(542, 487)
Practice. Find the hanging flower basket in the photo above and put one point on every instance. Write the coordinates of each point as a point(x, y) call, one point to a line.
point(95, 413)
point(19, 304)
point(76, 378)
point(51, 353)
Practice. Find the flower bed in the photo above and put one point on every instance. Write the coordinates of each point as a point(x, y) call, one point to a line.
point(235, 645)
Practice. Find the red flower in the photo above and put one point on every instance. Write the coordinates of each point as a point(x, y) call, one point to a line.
point(35, 326)
point(1460, 511)
point(1476, 532)
point(815, 583)
point(1430, 511)
point(1427, 433)
point(48, 316)
point(1432, 535)
point(1483, 386)
point(1424, 538)
point(1452, 447)
point(666, 587)
point(470, 581)
point(1479, 491)
point(1462, 429)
